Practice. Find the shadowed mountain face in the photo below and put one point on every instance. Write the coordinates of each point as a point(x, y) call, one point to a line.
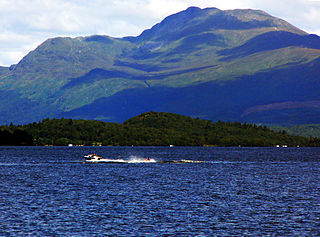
point(249, 99)
point(242, 65)
point(272, 41)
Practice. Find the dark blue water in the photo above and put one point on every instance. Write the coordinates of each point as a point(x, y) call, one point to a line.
point(49, 191)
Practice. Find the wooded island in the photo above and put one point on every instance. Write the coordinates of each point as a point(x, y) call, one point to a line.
point(148, 129)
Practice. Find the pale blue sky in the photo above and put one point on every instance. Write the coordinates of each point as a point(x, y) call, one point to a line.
point(27, 23)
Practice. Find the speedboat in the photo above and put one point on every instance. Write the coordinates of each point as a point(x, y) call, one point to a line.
point(99, 159)
point(93, 158)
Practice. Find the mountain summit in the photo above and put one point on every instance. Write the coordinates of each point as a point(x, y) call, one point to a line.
point(196, 21)
point(235, 65)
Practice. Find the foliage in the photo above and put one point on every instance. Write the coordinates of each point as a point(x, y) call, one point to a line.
point(10, 136)
point(305, 130)
point(155, 129)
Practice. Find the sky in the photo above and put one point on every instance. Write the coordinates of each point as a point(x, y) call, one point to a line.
point(27, 23)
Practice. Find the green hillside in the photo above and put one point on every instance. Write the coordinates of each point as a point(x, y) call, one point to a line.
point(233, 54)
point(150, 129)
point(305, 130)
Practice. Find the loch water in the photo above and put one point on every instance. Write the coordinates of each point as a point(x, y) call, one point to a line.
point(50, 191)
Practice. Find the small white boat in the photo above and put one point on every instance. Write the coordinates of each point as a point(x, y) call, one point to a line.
point(95, 158)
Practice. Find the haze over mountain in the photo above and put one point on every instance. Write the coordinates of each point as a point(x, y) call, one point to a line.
point(239, 65)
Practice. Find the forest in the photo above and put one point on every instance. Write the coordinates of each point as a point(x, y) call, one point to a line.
point(148, 129)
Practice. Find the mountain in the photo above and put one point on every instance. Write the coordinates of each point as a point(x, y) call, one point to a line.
point(235, 65)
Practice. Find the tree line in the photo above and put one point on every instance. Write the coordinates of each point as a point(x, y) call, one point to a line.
point(148, 129)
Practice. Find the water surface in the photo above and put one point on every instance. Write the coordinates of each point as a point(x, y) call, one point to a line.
point(49, 191)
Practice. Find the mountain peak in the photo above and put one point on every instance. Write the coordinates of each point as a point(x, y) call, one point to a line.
point(174, 23)
point(194, 20)
point(192, 9)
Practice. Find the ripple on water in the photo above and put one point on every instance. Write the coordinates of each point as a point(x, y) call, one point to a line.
point(47, 192)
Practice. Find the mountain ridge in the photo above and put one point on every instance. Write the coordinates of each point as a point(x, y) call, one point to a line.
point(193, 49)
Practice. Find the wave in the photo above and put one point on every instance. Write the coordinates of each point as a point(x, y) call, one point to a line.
point(136, 159)
point(181, 161)
point(131, 159)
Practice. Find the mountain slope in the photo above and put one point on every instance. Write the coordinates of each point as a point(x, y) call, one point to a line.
point(227, 65)
point(4, 71)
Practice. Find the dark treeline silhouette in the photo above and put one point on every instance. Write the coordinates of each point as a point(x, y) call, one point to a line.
point(16, 137)
point(148, 129)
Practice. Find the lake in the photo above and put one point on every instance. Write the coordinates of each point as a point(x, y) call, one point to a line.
point(50, 191)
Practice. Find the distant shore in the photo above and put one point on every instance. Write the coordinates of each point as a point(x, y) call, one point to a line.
point(149, 129)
